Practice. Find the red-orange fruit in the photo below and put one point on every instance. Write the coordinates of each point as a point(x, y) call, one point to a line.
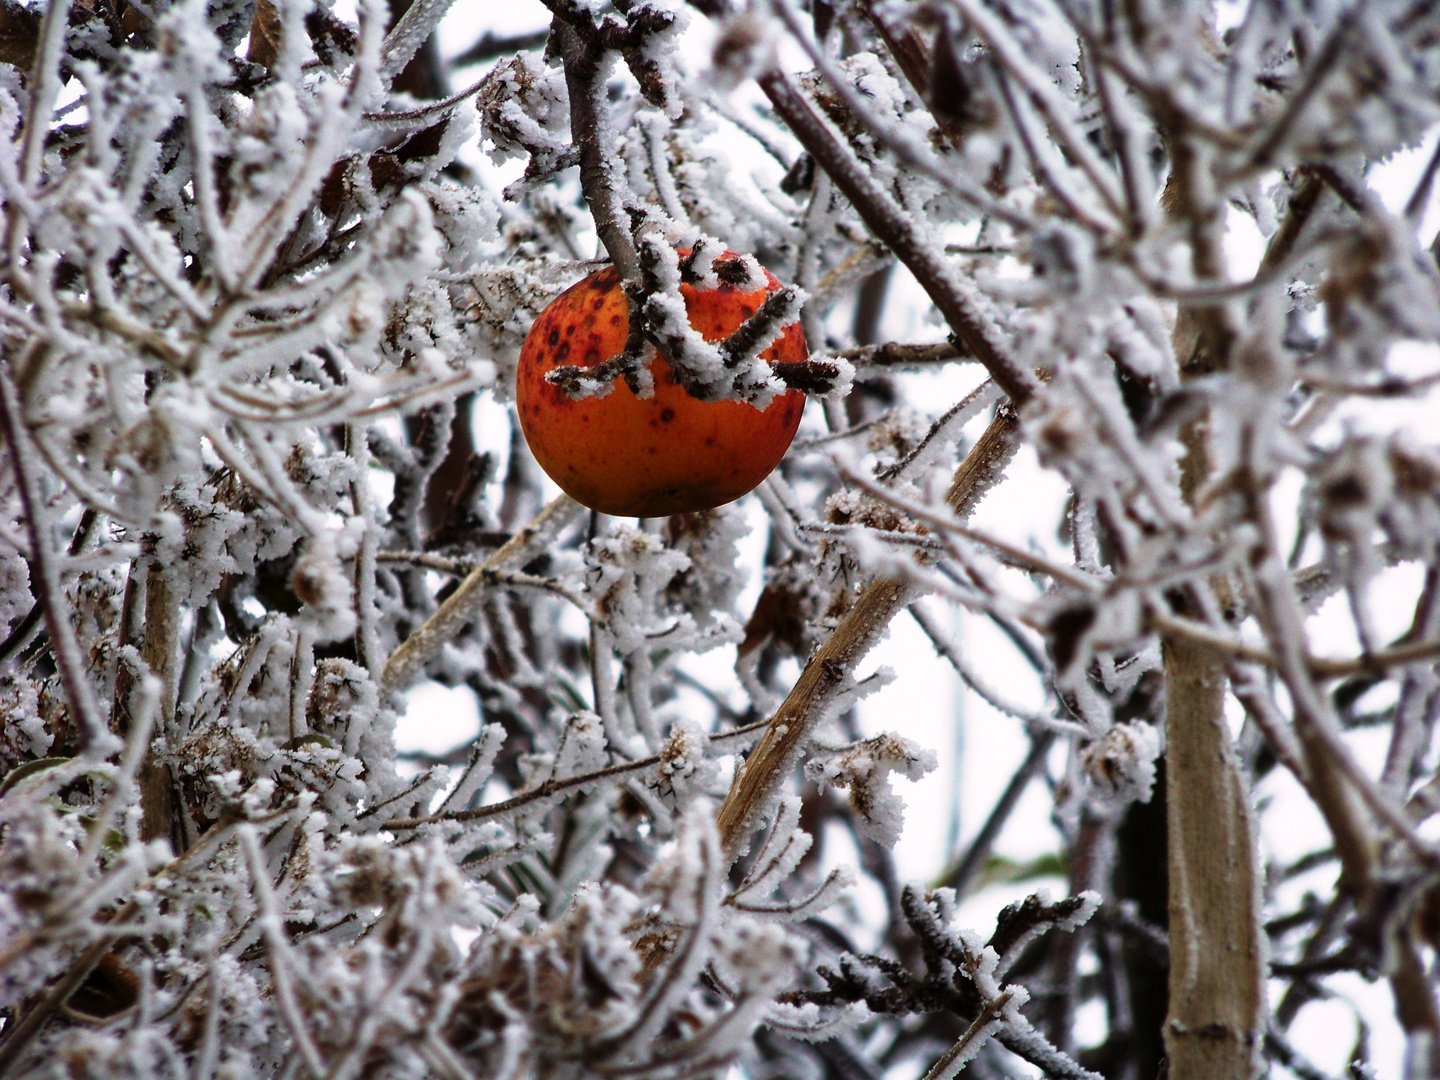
point(649, 457)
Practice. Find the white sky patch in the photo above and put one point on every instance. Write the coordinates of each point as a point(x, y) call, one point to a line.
point(466, 22)
point(1244, 245)
point(1394, 180)
point(437, 718)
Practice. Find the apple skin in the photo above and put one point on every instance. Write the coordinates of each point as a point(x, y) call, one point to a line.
point(667, 454)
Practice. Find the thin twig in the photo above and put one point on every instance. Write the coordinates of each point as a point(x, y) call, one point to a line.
point(430, 112)
point(32, 1022)
point(1012, 553)
point(893, 355)
point(968, 1045)
point(1324, 667)
point(902, 235)
point(555, 787)
point(281, 958)
point(459, 607)
point(95, 740)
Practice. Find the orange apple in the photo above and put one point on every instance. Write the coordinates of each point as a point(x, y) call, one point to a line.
point(665, 454)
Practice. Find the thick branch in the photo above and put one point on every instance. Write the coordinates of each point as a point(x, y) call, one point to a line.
point(1215, 1022)
point(583, 62)
point(892, 354)
point(1216, 963)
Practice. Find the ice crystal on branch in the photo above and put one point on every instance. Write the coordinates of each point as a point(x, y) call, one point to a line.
point(864, 771)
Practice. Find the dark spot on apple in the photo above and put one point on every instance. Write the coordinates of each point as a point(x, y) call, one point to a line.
point(589, 320)
point(569, 330)
point(614, 320)
point(666, 415)
point(747, 310)
point(592, 356)
point(562, 352)
point(710, 441)
point(599, 303)
point(554, 337)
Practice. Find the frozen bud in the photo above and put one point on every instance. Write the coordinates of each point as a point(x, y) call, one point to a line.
point(1353, 488)
point(319, 582)
point(758, 958)
point(1064, 257)
point(684, 770)
point(864, 769)
point(856, 508)
point(365, 313)
point(342, 694)
point(523, 109)
point(896, 434)
point(698, 267)
point(743, 48)
point(1060, 432)
point(366, 871)
point(1121, 764)
point(742, 272)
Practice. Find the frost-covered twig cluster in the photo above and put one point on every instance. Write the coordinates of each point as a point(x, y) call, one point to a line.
point(264, 282)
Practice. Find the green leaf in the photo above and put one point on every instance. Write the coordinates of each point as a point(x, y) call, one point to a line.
point(28, 769)
point(565, 694)
point(1001, 870)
